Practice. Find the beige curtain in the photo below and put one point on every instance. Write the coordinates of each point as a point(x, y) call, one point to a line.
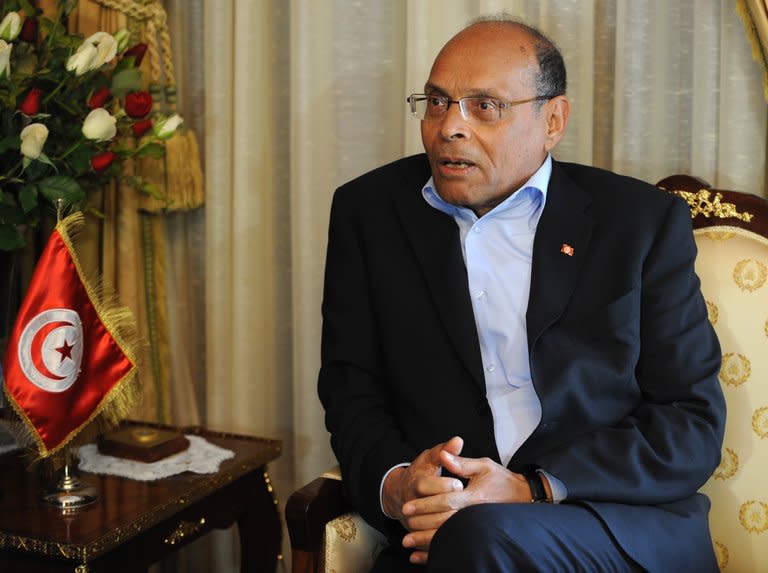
point(303, 95)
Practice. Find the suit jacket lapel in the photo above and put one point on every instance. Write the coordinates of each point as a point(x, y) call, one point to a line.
point(435, 240)
point(559, 249)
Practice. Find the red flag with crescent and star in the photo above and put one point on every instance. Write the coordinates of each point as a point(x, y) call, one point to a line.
point(66, 362)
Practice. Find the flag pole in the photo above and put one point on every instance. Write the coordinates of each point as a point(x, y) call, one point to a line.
point(69, 491)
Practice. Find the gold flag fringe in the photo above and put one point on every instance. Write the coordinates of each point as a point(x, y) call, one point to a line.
point(758, 48)
point(121, 324)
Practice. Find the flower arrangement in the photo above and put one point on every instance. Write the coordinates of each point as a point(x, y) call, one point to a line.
point(72, 111)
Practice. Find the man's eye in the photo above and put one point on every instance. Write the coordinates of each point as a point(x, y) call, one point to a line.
point(436, 101)
point(486, 105)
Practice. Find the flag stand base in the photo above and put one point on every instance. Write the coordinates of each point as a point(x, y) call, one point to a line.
point(70, 492)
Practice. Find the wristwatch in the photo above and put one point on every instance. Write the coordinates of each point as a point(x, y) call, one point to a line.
point(536, 483)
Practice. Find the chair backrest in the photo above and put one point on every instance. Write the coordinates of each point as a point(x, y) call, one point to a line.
point(731, 233)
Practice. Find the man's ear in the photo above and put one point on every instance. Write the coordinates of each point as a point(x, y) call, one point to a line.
point(557, 111)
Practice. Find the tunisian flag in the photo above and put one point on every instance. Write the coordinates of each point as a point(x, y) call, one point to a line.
point(66, 362)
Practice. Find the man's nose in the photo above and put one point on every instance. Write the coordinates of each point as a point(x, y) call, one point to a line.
point(453, 124)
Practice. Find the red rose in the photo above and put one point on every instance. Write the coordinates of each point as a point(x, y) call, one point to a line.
point(103, 160)
point(141, 127)
point(98, 98)
point(31, 103)
point(138, 104)
point(137, 52)
point(29, 30)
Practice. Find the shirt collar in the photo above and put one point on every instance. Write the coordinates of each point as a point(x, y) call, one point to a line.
point(539, 181)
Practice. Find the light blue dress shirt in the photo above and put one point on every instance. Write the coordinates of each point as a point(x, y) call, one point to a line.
point(498, 250)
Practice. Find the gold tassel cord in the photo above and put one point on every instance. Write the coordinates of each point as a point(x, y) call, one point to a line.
point(181, 174)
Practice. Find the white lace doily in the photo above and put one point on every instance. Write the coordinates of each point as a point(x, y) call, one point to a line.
point(202, 457)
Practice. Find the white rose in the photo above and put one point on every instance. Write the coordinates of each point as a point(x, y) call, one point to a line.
point(168, 126)
point(10, 26)
point(100, 125)
point(94, 52)
point(5, 58)
point(106, 48)
point(32, 140)
point(82, 60)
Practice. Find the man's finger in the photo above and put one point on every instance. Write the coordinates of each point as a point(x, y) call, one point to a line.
point(463, 467)
point(419, 557)
point(427, 486)
point(435, 504)
point(419, 540)
point(454, 445)
point(426, 521)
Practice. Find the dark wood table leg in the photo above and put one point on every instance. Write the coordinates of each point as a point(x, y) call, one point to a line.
point(260, 532)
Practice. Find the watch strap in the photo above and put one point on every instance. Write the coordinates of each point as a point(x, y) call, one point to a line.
point(535, 482)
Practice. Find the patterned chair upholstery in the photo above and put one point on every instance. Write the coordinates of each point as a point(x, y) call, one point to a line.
point(731, 232)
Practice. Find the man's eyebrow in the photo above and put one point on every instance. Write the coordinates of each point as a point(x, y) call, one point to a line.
point(433, 89)
point(430, 88)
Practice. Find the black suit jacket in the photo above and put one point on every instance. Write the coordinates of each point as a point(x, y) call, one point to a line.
point(622, 355)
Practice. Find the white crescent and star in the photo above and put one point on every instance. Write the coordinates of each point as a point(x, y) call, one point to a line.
point(50, 349)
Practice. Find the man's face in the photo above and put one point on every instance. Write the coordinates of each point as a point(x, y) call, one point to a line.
point(478, 165)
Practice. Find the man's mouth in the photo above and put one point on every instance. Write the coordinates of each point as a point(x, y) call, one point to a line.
point(456, 163)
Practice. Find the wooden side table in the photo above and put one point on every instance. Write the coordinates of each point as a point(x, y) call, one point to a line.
point(135, 523)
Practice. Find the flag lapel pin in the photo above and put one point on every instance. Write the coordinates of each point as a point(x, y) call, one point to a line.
point(567, 249)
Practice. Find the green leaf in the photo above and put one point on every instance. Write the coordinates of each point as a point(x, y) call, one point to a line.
point(34, 170)
point(125, 63)
point(10, 142)
point(28, 197)
point(125, 81)
point(11, 214)
point(61, 187)
point(80, 159)
point(152, 190)
point(69, 6)
point(43, 158)
point(10, 238)
point(46, 25)
point(156, 150)
point(27, 7)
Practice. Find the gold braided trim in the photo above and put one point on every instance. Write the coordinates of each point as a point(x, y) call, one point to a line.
point(701, 204)
point(121, 325)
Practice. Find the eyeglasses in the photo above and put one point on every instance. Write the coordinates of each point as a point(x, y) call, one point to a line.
point(484, 109)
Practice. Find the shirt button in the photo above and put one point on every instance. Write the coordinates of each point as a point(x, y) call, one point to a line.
point(476, 228)
point(480, 294)
point(491, 368)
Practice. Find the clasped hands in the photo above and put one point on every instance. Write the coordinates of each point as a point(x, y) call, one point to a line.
point(422, 500)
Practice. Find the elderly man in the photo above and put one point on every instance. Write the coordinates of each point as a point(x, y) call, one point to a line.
point(501, 328)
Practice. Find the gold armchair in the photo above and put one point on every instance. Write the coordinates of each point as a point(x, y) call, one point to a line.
point(731, 232)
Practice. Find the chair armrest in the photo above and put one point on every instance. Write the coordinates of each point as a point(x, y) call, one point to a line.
point(306, 513)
